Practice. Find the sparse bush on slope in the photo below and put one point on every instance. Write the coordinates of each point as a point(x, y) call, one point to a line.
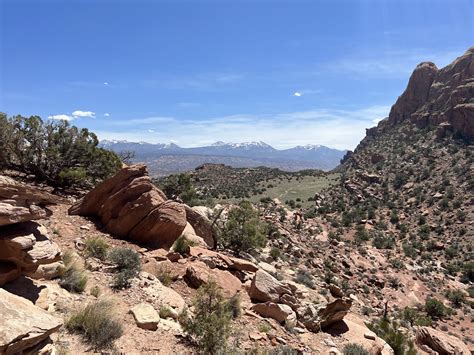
point(74, 277)
point(96, 247)
point(96, 323)
point(210, 325)
point(243, 229)
point(128, 265)
point(354, 349)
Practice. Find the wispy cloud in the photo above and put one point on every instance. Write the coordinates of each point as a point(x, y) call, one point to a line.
point(107, 114)
point(342, 129)
point(200, 81)
point(188, 104)
point(390, 63)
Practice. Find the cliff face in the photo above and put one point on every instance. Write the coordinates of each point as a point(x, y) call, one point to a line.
point(439, 97)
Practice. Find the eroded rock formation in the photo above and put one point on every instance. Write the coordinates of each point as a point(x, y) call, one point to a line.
point(20, 203)
point(24, 245)
point(434, 96)
point(23, 325)
point(131, 207)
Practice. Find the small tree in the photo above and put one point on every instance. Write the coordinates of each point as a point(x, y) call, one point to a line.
point(435, 309)
point(243, 229)
point(55, 152)
point(390, 332)
point(210, 326)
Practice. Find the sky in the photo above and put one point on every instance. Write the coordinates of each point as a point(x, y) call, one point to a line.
point(194, 72)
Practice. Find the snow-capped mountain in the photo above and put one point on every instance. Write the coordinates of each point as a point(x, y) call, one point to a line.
point(256, 153)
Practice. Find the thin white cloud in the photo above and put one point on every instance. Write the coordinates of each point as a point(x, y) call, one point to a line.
point(107, 114)
point(188, 104)
point(106, 83)
point(60, 117)
point(201, 81)
point(78, 113)
point(342, 129)
point(297, 94)
point(151, 130)
point(393, 63)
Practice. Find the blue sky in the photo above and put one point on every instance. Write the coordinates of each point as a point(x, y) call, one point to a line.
point(194, 72)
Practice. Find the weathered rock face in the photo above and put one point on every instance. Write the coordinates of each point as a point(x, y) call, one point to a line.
point(19, 203)
point(131, 207)
point(280, 312)
point(316, 318)
point(265, 287)
point(198, 273)
point(23, 325)
point(440, 342)
point(23, 248)
point(201, 225)
point(435, 96)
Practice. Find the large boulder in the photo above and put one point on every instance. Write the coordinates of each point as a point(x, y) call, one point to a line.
point(440, 342)
point(199, 273)
point(23, 325)
point(132, 207)
point(222, 261)
point(201, 224)
point(280, 312)
point(320, 317)
point(23, 248)
point(20, 203)
point(265, 287)
point(145, 316)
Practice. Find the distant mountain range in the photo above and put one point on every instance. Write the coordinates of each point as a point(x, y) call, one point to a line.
point(164, 159)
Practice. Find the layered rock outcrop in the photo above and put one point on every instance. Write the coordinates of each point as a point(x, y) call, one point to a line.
point(23, 248)
point(20, 203)
point(23, 325)
point(440, 342)
point(132, 207)
point(434, 96)
point(24, 245)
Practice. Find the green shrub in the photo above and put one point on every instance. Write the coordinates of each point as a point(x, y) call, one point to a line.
point(166, 312)
point(468, 272)
point(304, 277)
point(456, 297)
point(382, 241)
point(96, 247)
point(210, 326)
point(163, 273)
point(95, 291)
point(182, 245)
point(73, 278)
point(275, 253)
point(180, 187)
point(54, 151)
point(354, 349)
point(389, 331)
point(435, 309)
point(414, 317)
point(243, 229)
point(127, 263)
point(235, 306)
point(72, 176)
point(96, 324)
